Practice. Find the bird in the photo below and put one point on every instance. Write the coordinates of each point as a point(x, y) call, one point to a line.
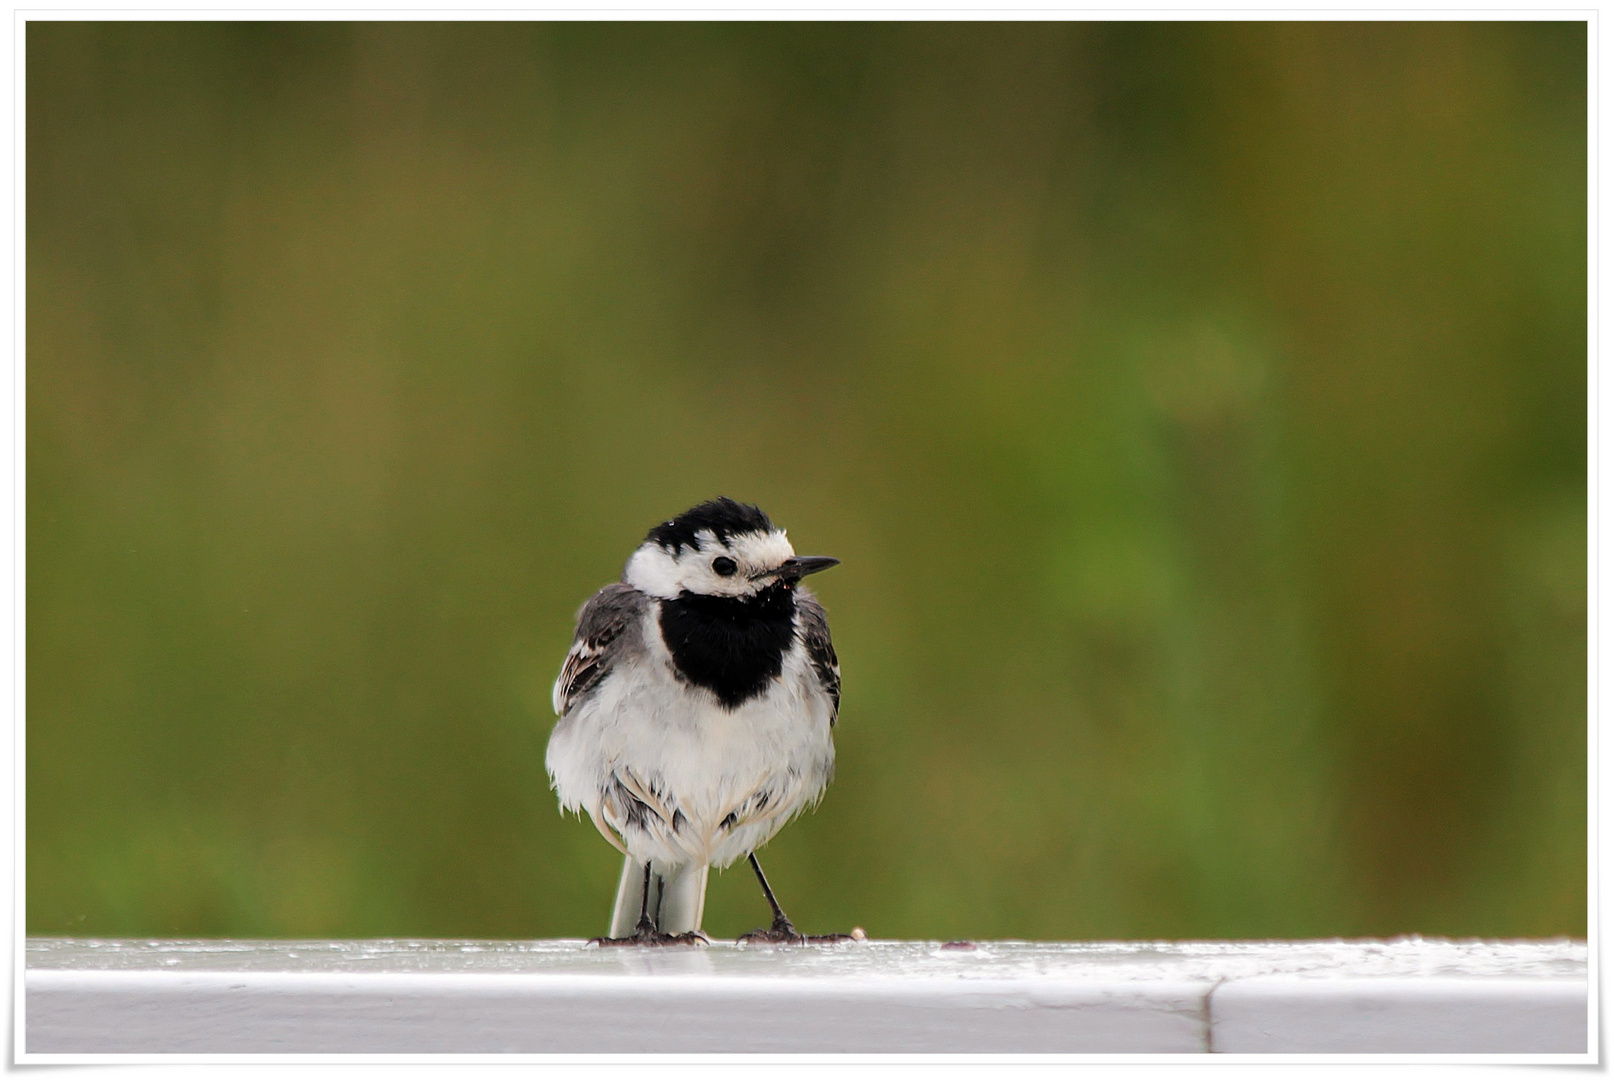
point(696, 707)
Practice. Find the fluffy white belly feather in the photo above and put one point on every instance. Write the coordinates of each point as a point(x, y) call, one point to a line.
point(721, 782)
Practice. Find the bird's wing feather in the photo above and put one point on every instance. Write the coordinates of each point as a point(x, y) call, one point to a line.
point(644, 793)
point(596, 815)
point(606, 626)
point(814, 631)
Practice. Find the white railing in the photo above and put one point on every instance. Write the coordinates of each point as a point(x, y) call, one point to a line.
point(85, 998)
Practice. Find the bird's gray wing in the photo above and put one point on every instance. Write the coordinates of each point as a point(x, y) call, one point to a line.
point(608, 628)
point(814, 631)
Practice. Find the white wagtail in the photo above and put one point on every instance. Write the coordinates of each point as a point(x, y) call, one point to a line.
point(696, 708)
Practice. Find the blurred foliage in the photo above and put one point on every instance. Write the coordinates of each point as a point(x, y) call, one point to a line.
point(1199, 411)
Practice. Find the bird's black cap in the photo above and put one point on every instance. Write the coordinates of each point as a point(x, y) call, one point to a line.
point(722, 516)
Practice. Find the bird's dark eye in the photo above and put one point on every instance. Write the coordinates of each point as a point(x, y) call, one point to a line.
point(724, 565)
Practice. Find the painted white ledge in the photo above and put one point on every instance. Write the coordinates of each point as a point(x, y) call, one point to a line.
point(1413, 995)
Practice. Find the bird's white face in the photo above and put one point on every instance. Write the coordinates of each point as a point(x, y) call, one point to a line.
point(739, 567)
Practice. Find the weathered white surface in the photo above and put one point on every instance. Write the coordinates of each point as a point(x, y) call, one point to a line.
point(1399, 1016)
point(88, 997)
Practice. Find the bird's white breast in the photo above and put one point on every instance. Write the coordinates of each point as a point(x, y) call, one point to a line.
point(765, 760)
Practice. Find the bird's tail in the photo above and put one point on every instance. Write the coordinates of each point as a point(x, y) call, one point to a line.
point(677, 898)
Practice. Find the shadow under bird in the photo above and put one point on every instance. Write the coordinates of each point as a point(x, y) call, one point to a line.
point(697, 706)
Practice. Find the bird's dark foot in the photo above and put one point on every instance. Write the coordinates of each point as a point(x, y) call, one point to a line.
point(780, 933)
point(645, 934)
point(655, 937)
point(783, 933)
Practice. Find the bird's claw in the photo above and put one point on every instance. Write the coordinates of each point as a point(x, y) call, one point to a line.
point(783, 933)
point(645, 934)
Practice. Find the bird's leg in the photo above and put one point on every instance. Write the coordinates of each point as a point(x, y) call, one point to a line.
point(782, 932)
point(782, 929)
point(645, 932)
point(645, 926)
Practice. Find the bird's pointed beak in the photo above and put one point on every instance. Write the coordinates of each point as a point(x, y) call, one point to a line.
point(799, 566)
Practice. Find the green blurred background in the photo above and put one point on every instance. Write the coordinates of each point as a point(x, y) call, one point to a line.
point(1199, 412)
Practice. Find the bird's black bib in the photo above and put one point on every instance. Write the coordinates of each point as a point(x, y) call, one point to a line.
point(728, 645)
